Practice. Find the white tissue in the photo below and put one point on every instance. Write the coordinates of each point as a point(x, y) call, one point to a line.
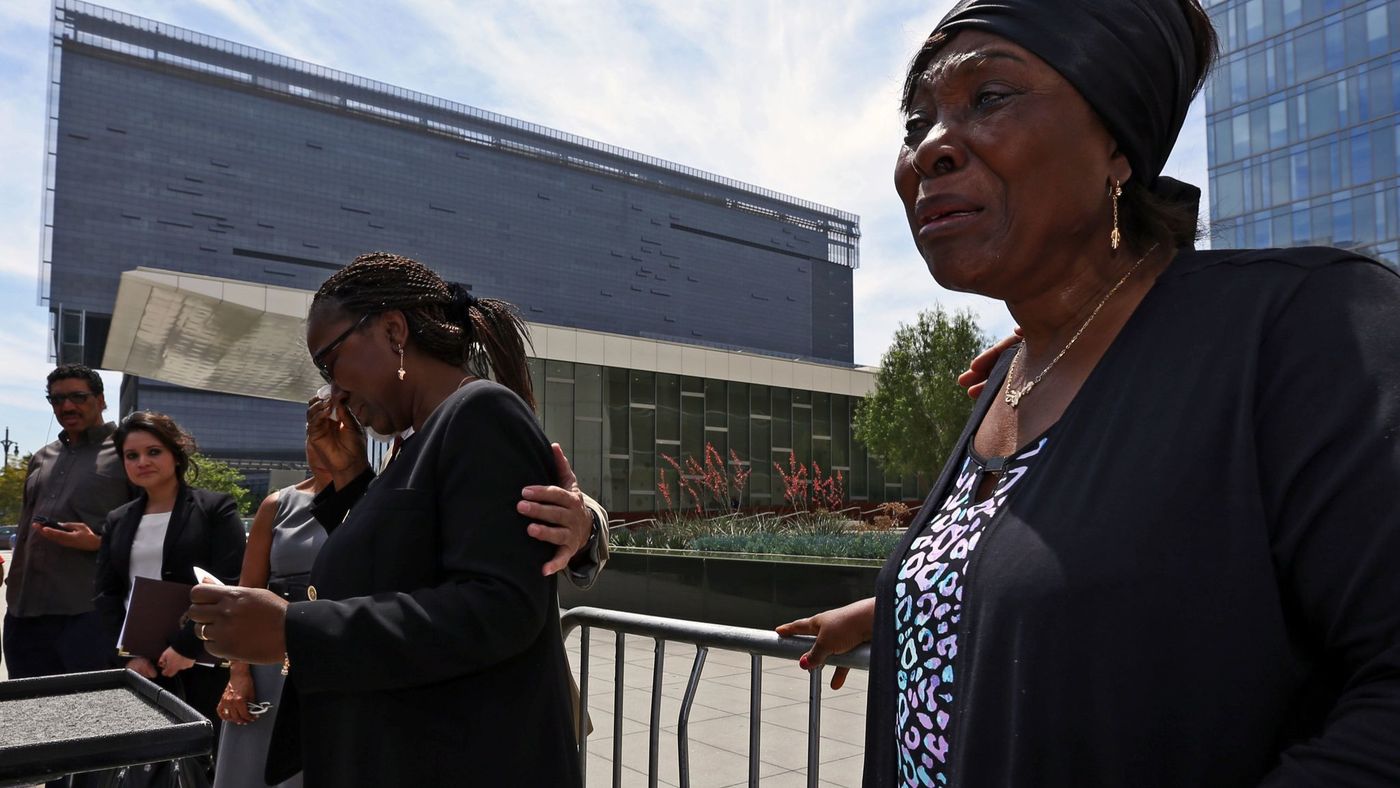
point(324, 393)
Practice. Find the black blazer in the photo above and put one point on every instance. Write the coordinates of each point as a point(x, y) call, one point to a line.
point(204, 531)
point(432, 655)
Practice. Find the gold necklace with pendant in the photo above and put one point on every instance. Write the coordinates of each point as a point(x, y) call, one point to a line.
point(1013, 395)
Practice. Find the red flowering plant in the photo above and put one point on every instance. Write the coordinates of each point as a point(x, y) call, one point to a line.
point(829, 493)
point(720, 482)
point(684, 486)
point(701, 496)
point(665, 489)
point(739, 474)
point(806, 491)
point(794, 482)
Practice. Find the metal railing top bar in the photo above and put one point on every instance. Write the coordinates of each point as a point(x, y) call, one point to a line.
point(226, 47)
point(762, 642)
point(756, 642)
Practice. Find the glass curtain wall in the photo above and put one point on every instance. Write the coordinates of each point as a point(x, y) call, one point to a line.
point(622, 428)
point(1302, 125)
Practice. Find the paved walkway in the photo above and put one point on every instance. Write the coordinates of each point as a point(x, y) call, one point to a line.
point(719, 718)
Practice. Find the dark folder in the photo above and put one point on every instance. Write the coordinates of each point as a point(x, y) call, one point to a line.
point(155, 611)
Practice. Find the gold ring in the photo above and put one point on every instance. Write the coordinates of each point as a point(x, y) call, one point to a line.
point(199, 631)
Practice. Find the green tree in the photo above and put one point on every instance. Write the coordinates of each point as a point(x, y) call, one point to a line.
point(917, 411)
point(12, 477)
point(221, 477)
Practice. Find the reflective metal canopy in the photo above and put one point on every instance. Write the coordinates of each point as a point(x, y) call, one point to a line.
point(212, 334)
point(235, 337)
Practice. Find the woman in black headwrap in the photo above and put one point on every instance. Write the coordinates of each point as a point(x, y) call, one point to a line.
point(1166, 551)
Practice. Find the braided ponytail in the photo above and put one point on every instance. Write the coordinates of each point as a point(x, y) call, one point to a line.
point(479, 335)
point(502, 335)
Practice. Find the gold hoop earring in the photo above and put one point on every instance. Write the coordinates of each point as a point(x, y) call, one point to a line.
point(1115, 238)
point(402, 373)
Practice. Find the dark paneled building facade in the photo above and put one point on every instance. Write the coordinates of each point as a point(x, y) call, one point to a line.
point(173, 150)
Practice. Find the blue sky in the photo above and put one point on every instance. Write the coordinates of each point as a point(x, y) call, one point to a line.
point(794, 95)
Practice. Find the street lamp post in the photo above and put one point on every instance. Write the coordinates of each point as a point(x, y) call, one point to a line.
point(7, 443)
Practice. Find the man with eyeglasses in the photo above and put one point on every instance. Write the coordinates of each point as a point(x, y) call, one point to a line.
point(50, 624)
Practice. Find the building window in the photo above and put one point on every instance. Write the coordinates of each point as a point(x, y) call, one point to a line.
point(1377, 24)
point(840, 431)
point(802, 430)
point(760, 455)
point(668, 407)
point(616, 415)
point(1292, 13)
point(716, 404)
point(692, 425)
point(1240, 133)
point(559, 404)
point(739, 420)
point(642, 485)
point(587, 457)
point(1360, 158)
point(1278, 123)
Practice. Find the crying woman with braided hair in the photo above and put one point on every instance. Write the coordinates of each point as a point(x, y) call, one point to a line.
point(430, 638)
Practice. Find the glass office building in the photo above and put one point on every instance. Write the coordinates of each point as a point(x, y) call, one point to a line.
point(1302, 118)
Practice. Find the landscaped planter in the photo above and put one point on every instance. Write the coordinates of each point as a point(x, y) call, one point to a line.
point(743, 590)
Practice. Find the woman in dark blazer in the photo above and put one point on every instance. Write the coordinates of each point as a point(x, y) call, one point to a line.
point(164, 533)
point(428, 652)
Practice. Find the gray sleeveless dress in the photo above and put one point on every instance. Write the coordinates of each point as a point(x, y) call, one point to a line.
point(296, 538)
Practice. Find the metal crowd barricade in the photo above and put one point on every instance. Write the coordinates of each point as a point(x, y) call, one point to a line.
point(757, 643)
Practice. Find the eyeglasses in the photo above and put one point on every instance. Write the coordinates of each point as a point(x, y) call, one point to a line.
point(75, 397)
point(319, 357)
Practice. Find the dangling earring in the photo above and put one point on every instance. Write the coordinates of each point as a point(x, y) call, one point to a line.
point(1115, 238)
point(402, 373)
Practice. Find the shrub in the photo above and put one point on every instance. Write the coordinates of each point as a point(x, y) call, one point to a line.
point(893, 514)
point(862, 544)
point(819, 533)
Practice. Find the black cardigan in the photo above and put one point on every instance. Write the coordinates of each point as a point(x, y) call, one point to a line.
point(1199, 585)
point(205, 531)
point(432, 654)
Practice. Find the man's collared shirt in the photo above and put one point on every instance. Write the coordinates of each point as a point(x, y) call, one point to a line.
point(69, 481)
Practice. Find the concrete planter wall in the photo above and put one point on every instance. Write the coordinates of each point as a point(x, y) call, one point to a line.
point(724, 588)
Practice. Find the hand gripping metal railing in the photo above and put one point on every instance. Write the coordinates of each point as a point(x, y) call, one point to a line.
point(758, 643)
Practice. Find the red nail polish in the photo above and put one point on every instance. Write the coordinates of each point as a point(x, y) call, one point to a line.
point(803, 662)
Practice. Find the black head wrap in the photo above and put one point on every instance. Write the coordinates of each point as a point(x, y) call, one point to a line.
point(1134, 61)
